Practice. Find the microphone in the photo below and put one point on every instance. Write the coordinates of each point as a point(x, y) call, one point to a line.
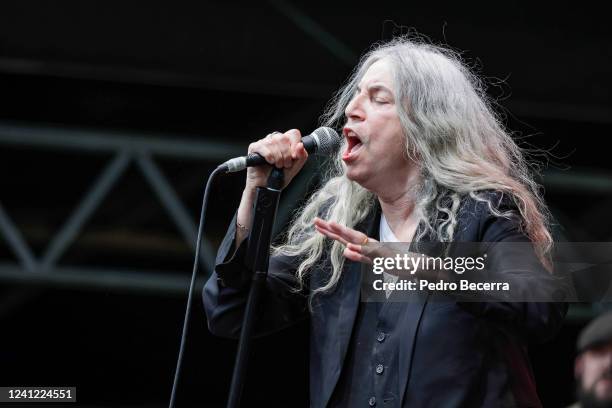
point(322, 141)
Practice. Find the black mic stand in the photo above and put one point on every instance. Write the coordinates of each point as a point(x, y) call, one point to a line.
point(257, 257)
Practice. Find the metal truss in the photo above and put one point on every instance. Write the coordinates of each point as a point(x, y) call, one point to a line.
point(126, 149)
point(142, 150)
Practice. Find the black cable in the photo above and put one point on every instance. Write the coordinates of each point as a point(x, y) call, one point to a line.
point(192, 285)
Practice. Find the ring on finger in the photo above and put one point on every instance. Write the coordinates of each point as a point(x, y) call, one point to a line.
point(365, 241)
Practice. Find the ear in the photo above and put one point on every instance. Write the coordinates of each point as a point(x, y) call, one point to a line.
point(578, 366)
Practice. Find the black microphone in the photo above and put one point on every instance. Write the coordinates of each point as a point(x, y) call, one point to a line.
point(322, 141)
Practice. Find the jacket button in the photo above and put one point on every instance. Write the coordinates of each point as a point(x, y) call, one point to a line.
point(372, 401)
point(381, 337)
point(379, 369)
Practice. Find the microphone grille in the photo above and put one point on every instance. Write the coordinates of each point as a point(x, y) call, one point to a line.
point(328, 140)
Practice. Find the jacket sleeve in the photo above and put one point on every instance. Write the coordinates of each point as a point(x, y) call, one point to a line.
point(226, 292)
point(518, 265)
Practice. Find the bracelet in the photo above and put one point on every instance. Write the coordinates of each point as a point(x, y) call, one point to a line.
point(242, 227)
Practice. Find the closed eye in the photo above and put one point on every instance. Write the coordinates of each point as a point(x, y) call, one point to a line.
point(380, 95)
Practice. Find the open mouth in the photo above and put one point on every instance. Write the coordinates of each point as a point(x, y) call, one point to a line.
point(353, 146)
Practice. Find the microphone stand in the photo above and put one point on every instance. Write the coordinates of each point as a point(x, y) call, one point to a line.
point(257, 257)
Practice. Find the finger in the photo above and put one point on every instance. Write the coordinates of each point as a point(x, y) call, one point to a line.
point(331, 235)
point(294, 136)
point(254, 147)
point(302, 153)
point(322, 223)
point(286, 145)
point(329, 225)
point(348, 234)
point(264, 151)
point(282, 142)
point(296, 139)
point(369, 250)
point(296, 150)
point(275, 152)
point(281, 163)
point(359, 249)
point(355, 256)
point(325, 227)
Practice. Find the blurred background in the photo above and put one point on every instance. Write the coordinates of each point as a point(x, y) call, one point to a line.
point(112, 115)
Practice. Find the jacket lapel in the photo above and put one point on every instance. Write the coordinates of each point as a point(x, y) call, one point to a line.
point(349, 291)
point(409, 328)
point(412, 317)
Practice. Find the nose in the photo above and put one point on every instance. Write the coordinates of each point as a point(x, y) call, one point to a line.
point(354, 109)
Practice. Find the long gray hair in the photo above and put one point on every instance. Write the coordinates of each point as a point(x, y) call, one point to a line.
point(453, 134)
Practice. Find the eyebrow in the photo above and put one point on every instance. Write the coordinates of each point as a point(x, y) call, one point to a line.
point(375, 88)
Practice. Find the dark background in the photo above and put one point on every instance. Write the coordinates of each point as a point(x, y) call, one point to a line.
point(106, 316)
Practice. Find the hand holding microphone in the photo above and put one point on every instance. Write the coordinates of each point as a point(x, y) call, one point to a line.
point(284, 150)
point(288, 151)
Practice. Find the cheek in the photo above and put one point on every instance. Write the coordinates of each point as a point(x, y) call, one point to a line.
point(591, 372)
point(398, 142)
point(394, 128)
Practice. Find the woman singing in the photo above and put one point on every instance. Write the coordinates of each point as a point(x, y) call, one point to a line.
point(424, 159)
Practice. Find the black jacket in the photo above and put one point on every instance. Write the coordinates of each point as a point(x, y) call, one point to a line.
point(456, 354)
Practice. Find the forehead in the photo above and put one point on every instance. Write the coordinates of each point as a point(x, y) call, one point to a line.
point(379, 73)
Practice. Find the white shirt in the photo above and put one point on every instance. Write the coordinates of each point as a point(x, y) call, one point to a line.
point(386, 235)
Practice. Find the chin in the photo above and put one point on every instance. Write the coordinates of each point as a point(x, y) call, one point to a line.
point(362, 179)
point(355, 176)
